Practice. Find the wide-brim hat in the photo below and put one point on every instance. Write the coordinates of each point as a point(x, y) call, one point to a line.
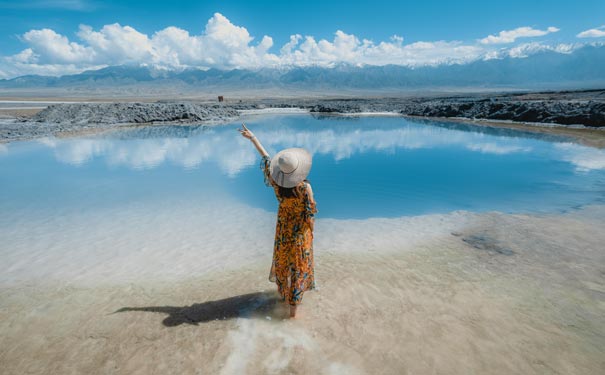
point(290, 166)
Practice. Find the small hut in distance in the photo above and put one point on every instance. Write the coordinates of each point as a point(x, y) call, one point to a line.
point(221, 99)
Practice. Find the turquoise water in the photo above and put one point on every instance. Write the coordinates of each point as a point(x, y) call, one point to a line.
point(363, 167)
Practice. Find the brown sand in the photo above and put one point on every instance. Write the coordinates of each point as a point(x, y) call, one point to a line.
point(508, 294)
point(24, 112)
point(593, 137)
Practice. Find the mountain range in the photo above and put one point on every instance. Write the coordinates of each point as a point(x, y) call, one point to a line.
point(582, 68)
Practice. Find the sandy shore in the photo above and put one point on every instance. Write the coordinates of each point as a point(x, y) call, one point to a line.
point(11, 113)
point(477, 293)
point(592, 137)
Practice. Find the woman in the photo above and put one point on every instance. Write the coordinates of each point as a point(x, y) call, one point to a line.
point(292, 268)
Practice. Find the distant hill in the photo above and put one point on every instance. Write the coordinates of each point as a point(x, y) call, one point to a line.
point(584, 67)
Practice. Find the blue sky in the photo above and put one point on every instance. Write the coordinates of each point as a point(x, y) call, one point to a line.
point(377, 21)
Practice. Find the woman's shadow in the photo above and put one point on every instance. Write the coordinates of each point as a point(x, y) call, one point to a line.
point(252, 305)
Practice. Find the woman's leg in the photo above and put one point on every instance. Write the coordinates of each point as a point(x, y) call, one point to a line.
point(295, 292)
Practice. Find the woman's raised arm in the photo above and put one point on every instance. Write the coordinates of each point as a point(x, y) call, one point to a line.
point(246, 133)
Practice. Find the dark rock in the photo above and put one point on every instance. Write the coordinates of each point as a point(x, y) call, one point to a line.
point(137, 113)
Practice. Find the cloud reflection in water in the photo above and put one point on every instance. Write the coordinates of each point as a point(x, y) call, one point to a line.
point(190, 148)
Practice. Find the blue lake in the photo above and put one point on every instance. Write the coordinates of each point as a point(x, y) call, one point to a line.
point(363, 167)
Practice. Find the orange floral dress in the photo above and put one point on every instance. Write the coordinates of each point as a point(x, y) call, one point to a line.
point(292, 268)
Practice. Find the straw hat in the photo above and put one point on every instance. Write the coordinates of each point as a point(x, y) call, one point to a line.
point(290, 166)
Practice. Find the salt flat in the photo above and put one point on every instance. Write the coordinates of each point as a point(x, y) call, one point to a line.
point(442, 293)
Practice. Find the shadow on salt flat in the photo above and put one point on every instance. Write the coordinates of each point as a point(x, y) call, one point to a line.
point(252, 305)
point(483, 241)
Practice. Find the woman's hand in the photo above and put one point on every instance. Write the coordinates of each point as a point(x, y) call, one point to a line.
point(245, 132)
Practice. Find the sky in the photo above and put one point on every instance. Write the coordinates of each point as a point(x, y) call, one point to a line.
point(55, 37)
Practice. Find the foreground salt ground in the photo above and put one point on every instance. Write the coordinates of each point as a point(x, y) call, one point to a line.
point(457, 293)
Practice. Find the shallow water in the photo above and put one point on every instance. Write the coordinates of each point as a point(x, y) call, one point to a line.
point(363, 167)
point(141, 239)
point(169, 202)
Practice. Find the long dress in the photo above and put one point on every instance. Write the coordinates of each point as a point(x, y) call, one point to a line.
point(292, 268)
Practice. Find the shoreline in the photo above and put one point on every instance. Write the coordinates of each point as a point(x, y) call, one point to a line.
point(592, 137)
point(537, 112)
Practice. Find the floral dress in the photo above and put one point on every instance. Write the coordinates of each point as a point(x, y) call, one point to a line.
point(292, 268)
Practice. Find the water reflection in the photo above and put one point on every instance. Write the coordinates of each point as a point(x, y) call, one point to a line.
point(584, 158)
point(190, 146)
point(488, 130)
point(363, 167)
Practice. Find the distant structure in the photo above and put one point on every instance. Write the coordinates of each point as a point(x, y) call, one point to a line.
point(221, 99)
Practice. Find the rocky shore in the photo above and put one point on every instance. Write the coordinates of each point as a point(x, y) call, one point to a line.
point(134, 113)
point(576, 109)
point(578, 113)
point(84, 117)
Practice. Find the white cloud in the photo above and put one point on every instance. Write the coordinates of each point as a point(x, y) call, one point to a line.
point(116, 44)
point(349, 48)
point(509, 36)
point(597, 32)
point(223, 45)
point(46, 46)
point(288, 47)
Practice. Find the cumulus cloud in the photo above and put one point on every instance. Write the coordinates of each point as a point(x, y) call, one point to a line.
point(597, 32)
point(46, 46)
point(223, 45)
point(117, 44)
point(348, 48)
point(509, 36)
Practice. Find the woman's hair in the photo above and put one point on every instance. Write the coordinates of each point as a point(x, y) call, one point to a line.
point(289, 192)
